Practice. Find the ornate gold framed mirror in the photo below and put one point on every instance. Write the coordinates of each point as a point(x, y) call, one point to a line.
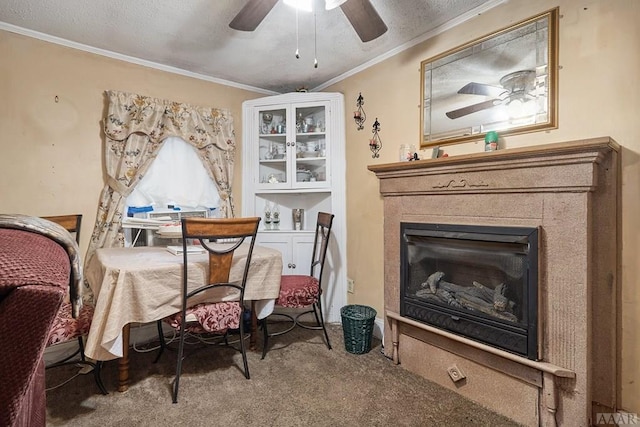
point(505, 82)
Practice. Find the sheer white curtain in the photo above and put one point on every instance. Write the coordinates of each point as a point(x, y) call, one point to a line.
point(176, 177)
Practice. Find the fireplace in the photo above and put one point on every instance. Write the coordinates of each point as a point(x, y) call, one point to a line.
point(485, 218)
point(480, 282)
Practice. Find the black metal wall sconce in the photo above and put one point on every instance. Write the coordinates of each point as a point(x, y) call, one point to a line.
point(375, 143)
point(359, 116)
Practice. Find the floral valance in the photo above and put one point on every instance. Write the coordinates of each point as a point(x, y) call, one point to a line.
point(157, 118)
point(135, 129)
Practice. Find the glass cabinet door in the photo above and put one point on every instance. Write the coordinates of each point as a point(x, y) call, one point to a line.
point(311, 148)
point(293, 146)
point(272, 147)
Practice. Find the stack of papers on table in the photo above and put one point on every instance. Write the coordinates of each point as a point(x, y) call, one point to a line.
point(191, 249)
point(145, 223)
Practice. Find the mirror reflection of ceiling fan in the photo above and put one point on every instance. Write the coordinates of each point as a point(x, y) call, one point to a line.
point(515, 87)
point(361, 13)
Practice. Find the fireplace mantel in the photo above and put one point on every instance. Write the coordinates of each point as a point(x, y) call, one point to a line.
point(472, 172)
point(571, 191)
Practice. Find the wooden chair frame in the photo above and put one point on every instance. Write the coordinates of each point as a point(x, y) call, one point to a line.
point(72, 224)
point(234, 232)
point(318, 257)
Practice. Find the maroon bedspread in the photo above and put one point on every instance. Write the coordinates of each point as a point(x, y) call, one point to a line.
point(58, 233)
point(34, 277)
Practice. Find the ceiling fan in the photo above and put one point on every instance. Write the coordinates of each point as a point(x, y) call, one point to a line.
point(361, 13)
point(515, 86)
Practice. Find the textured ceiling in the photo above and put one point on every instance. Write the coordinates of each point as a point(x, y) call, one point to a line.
point(194, 36)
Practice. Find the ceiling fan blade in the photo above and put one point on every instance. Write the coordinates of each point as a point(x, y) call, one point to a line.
point(482, 89)
point(252, 14)
point(469, 109)
point(364, 19)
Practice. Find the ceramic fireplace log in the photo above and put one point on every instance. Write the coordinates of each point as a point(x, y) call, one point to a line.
point(475, 298)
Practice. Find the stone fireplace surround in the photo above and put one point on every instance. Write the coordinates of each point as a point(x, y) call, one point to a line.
point(571, 190)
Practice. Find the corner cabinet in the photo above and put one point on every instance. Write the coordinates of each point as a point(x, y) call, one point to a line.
point(293, 157)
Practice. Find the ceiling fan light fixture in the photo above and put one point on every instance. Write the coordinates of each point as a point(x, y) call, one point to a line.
point(304, 5)
point(332, 4)
point(521, 108)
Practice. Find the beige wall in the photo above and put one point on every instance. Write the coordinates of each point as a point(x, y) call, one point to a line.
point(599, 92)
point(51, 153)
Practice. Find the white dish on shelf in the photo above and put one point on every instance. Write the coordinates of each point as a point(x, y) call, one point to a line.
point(303, 176)
point(307, 154)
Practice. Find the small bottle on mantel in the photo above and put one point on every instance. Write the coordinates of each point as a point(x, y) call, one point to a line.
point(491, 141)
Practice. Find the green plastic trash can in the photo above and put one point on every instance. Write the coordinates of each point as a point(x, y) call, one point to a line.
point(357, 326)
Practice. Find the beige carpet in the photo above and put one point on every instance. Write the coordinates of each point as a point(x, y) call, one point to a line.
point(299, 383)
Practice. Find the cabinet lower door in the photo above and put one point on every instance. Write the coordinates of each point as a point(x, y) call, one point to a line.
point(301, 255)
point(296, 250)
point(278, 243)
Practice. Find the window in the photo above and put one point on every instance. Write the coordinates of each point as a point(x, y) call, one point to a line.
point(176, 177)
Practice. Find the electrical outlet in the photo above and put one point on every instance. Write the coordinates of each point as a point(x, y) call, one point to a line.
point(456, 374)
point(350, 285)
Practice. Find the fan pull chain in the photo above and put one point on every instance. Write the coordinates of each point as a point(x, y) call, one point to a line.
point(297, 49)
point(315, 42)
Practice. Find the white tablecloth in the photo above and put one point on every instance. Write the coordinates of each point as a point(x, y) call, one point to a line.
point(143, 284)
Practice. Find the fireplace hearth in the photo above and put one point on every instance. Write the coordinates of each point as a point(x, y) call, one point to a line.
point(477, 281)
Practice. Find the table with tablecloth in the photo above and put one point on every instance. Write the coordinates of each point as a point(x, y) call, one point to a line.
point(143, 284)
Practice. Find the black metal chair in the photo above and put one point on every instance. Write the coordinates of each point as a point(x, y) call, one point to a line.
point(221, 238)
point(65, 327)
point(300, 291)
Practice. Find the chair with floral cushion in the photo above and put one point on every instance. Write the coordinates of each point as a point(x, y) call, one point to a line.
point(302, 291)
point(65, 327)
point(217, 306)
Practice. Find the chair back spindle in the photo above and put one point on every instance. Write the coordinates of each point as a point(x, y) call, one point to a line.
point(321, 243)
